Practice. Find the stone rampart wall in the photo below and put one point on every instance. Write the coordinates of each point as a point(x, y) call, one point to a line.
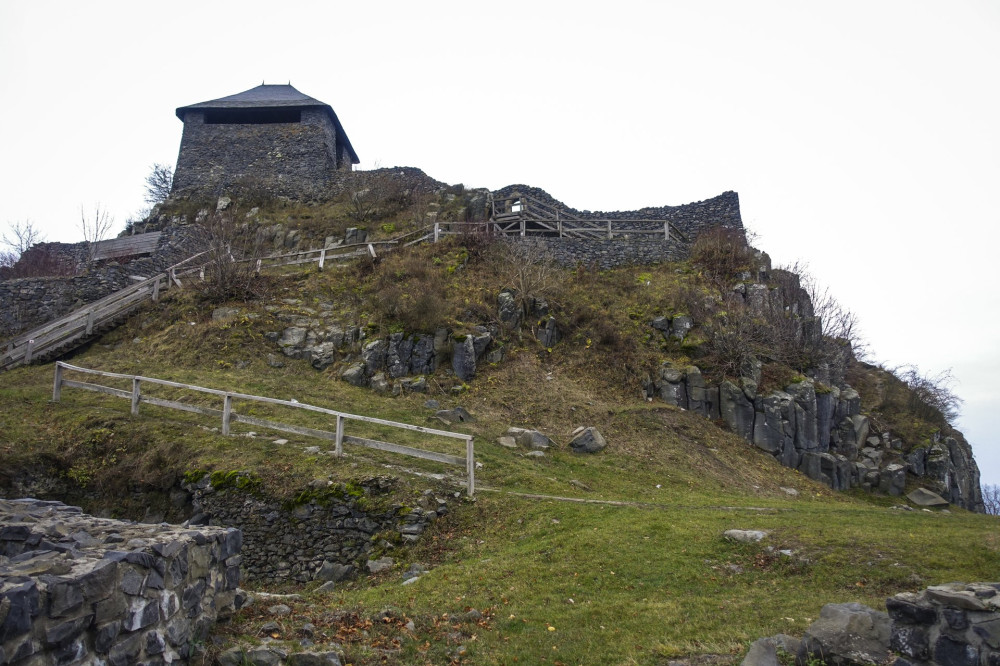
point(330, 533)
point(691, 219)
point(29, 302)
point(77, 589)
point(606, 253)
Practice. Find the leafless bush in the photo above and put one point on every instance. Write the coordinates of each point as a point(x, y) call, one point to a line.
point(159, 182)
point(529, 271)
point(231, 268)
point(991, 499)
point(837, 322)
point(723, 253)
point(374, 195)
point(95, 228)
point(931, 397)
point(738, 338)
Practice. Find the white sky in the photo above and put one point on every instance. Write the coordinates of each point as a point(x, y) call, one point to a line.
point(862, 136)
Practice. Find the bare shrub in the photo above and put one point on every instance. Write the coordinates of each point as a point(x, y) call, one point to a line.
point(723, 253)
point(991, 499)
point(95, 228)
point(529, 271)
point(737, 339)
point(374, 195)
point(410, 292)
point(233, 250)
point(39, 261)
point(931, 397)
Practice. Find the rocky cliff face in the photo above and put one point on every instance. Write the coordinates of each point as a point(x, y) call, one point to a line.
point(821, 431)
point(815, 424)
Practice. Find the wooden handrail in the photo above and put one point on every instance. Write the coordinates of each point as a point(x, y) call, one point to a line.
point(228, 416)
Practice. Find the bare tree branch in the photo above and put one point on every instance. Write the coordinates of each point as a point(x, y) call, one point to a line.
point(95, 228)
point(20, 236)
point(159, 182)
point(991, 499)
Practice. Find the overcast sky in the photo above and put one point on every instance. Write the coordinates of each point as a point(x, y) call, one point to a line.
point(862, 136)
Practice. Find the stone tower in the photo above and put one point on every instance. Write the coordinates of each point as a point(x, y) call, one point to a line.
point(271, 137)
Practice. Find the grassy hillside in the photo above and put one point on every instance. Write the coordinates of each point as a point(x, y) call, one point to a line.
point(639, 573)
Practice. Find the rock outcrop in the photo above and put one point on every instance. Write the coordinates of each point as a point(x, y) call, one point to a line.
point(820, 431)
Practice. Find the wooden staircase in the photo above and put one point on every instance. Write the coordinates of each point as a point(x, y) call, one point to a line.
point(76, 328)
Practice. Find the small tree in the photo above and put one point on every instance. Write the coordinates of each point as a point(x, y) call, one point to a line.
point(159, 182)
point(95, 228)
point(20, 236)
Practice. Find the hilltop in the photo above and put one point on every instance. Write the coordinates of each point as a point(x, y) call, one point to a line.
point(639, 571)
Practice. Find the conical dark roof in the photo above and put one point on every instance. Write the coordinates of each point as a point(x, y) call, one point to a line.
point(271, 96)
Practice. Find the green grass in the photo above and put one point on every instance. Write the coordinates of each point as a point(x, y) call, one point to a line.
point(649, 580)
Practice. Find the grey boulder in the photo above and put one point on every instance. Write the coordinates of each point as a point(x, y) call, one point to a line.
point(588, 441)
point(847, 635)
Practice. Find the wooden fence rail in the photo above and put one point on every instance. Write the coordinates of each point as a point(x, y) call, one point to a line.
point(227, 416)
point(526, 216)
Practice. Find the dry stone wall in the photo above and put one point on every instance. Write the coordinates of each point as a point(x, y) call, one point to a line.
point(954, 624)
point(78, 589)
point(608, 252)
point(691, 219)
point(29, 302)
point(327, 534)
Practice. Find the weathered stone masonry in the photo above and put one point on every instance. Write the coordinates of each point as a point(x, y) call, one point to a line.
point(331, 527)
point(691, 219)
point(271, 137)
point(77, 589)
point(29, 302)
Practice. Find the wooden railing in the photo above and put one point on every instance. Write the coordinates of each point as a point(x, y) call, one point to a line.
point(228, 416)
point(77, 327)
point(83, 323)
point(526, 216)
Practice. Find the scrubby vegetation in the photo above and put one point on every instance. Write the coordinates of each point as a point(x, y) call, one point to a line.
point(637, 574)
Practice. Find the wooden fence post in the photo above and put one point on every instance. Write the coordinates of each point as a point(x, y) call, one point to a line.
point(90, 322)
point(371, 250)
point(609, 229)
point(437, 231)
point(201, 273)
point(156, 289)
point(57, 383)
point(27, 352)
point(135, 396)
point(339, 448)
point(322, 258)
point(522, 227)
point(227, 414)
point(470, 466)
point(666, 231)
point(559, 223)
